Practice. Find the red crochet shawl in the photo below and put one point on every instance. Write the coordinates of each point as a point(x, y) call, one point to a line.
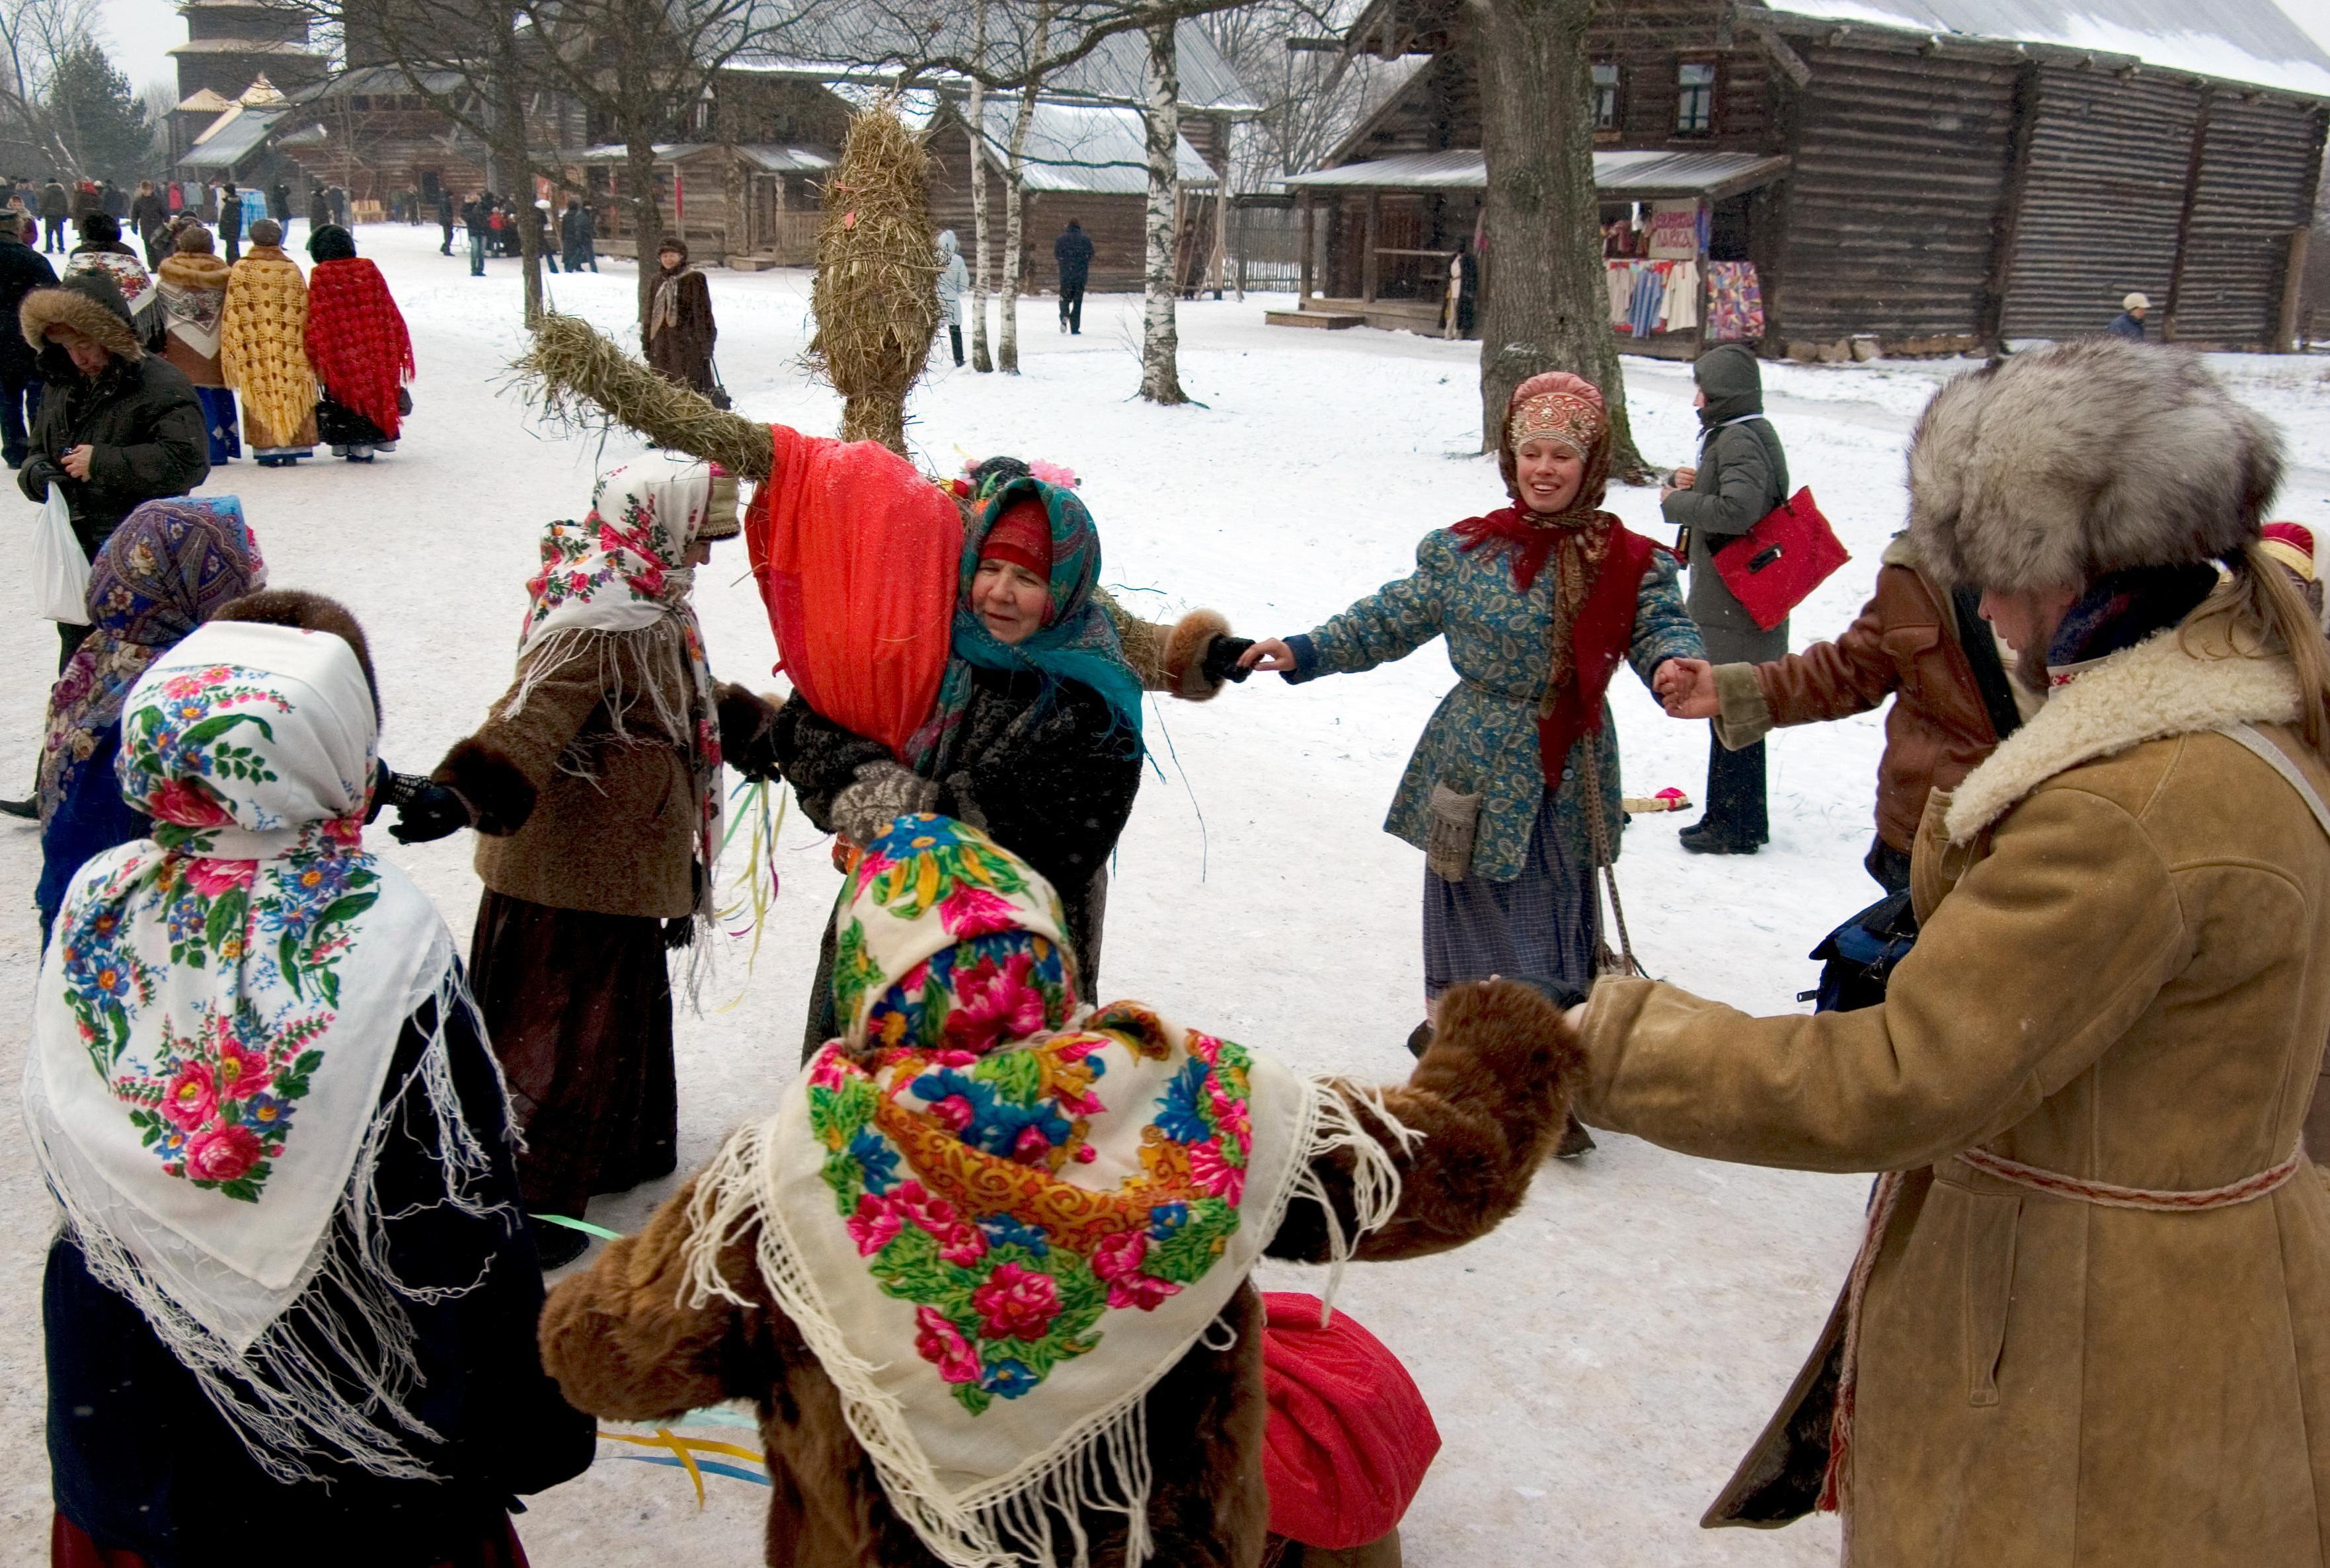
point(357, 340)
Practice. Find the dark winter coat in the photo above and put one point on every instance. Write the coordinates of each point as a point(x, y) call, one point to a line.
point(1743, 474)
point(279, 201)
point(1074, 252)
point(141, 1459)
point(21, 270)
point(576, 232)
point(627, 1340)
point(478, 218)
point(140, 414)
point(111, 200)
point(319, 208)
point(1050, 776)
point(230, 220)
point(683, 351)
point(92, 818)
point(149, 211)
point(54, 202)
point(1910, 643)
point(2126, 324)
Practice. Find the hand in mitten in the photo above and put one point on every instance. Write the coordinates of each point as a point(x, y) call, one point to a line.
point(425, 810)
point(881, 794)
point(746, 725)
point(36, 476)
point(1221, 661)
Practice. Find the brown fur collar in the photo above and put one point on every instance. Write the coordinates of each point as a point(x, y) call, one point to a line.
point(193, 269)
point(500, 796)
point(69, 308)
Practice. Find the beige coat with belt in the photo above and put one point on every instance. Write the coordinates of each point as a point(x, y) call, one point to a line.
point(2124, 977)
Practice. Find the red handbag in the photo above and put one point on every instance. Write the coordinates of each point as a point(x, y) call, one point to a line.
point(1774, 566)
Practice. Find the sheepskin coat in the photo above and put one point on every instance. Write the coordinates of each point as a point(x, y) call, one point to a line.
point(2119, 978)
point(624, 1344)
point(583, 800)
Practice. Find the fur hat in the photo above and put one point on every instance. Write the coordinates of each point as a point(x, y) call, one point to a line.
point(194, 240)
point(304, 611)
point(2052, 468)
point(266, 231)
point(88, 303)
point(673, 243)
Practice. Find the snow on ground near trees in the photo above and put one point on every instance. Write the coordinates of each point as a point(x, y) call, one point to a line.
point(1597, 1363)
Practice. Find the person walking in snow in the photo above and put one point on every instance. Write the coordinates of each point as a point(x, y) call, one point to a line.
point(56, 207)
point(191, 295)
point(1513, 791)
point(578, 236)
point(358, 347)
point(984, 1272)
point(2086, 1084)
point(1072, 253)
point(149, 220)
point(290, 1220)
point(954, 278)
point(594, 787)
point(229, 217)
point(477, 222)
point(2129, 322)
point(1742, 475)
point(21, 271)
point(445, 218)
point(262, 350)
point(101, 250)
point(679, 331)
point(319, 210)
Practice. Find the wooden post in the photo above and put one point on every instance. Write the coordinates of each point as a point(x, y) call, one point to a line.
point(1698, 344)
point(1368, 248)
point(2285, 338)
point(1302, 243)
point(1221, 200)
point(2184, 215)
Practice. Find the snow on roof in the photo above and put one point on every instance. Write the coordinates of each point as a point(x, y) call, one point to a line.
point(2252, 41)
point(201, 100)
point(232, 137)
point(1085, 148)
point(1633, 174)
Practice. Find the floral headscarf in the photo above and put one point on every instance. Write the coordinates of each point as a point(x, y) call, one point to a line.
point(996, 1215)
point(213, 1027)
point(163, 572)
point(1077, 642)
point(624, 569)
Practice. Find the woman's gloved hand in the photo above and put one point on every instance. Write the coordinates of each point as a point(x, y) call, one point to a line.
point(425, 810)
point(747, 726)
point(1222, 660)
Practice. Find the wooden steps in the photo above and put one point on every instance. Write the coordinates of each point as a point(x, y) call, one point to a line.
point(1326, 320)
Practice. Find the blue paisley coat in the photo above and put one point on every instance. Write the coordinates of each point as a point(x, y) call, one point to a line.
point(1484, 736)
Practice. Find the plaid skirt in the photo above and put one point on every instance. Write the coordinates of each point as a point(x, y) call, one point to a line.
point(1541, 927)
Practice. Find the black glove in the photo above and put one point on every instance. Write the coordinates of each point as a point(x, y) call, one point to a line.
point(425, 810)
point(747, 726)
point(382, 781)
point(38, 472)
point(1221, 661)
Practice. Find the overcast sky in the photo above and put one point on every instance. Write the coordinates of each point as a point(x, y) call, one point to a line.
point(138, 32)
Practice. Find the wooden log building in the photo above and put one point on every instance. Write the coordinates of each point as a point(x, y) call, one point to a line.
point(1818, 179)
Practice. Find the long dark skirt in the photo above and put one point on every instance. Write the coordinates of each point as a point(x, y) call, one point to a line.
point(578, 1007)
point(218, 413)
point(1538, 927)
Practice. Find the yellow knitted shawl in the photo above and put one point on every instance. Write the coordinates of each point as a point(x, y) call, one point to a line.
point(262, 339)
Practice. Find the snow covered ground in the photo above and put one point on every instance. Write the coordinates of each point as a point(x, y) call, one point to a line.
point(1596, 1365)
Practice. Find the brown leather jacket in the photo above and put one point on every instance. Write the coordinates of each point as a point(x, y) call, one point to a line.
point(1904, 645)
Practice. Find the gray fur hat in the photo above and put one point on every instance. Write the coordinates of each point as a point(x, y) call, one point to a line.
point(2054, 466)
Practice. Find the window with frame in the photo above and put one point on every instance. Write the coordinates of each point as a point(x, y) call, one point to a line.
point(1695, 97)
point(1606, 97)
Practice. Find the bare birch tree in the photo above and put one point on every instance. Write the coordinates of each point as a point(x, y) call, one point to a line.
point(1015, 213)
point(1160, 339)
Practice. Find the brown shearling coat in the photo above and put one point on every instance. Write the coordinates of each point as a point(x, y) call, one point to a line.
point(1488, 1097)
point(571, 813)
point(2121, 977)
point(1904, 645)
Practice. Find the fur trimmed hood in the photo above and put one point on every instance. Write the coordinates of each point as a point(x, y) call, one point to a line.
point(89, 304)
point(2053, 468)
point(2185, 681)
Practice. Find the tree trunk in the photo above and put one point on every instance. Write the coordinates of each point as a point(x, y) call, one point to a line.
point(975, 142)
point(1161, 374)
point(509, 150)
point(1547, 304)
point(1015, 236)
point(647, 213)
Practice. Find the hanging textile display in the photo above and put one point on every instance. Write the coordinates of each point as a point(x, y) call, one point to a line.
point(1735, 304)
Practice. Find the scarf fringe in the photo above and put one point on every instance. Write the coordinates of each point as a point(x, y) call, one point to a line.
point(1035, 1519)
point(331, 1380)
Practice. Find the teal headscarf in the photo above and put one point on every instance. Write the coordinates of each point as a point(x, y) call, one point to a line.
point(1077, 642)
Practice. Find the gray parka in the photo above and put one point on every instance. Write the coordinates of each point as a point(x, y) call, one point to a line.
point(1743, 474)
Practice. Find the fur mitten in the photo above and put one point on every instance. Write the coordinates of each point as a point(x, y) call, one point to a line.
point(495, 789)
point(747, 725)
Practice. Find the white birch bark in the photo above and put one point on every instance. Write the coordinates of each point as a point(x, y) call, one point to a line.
point(1015, 238)
point(977, 112)
point(1161, 376)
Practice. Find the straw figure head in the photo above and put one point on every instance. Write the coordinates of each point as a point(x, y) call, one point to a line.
point(876, 291)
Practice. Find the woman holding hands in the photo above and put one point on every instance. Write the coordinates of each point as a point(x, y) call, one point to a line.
point(1539, 601)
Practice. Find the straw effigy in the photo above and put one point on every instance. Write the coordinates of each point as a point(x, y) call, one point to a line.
point(878, 308)
point(876, 291)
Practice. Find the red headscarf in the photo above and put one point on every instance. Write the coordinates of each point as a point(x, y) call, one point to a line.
point(1022, 535)
point(1348, 1436)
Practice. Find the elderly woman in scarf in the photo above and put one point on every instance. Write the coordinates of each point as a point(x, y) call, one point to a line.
point(164, 571)
point(293, 1298)
point(190, 290)
point(262, 349)
point(595, 787)
point(1539, 602)
point(984, 1272)
point(357, 341)
point(101, 250)
point(680, 332)
point(1036, 733)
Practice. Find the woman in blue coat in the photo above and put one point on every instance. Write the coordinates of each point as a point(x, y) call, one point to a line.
point(1539, 602)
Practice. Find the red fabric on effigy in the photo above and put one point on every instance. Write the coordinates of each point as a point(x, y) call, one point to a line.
point(857, 554)
point(357, 340)
point(1348, 1436)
